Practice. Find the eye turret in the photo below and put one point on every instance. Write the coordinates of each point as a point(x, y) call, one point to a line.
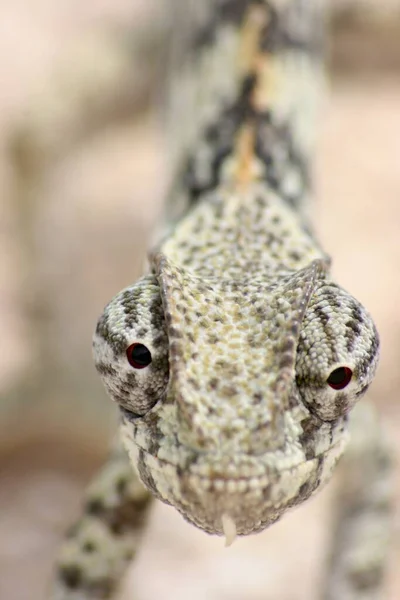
point(130, 347)
point(337, 353)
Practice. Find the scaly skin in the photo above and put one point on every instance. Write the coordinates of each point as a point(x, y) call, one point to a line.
point(234, 415)
point(234, 421)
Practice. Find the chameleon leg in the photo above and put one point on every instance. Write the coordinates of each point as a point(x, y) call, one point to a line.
point(103, 542)
point(361, 544)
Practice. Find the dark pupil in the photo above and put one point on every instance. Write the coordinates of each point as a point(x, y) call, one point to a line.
point(139, 356)
point(340, 377)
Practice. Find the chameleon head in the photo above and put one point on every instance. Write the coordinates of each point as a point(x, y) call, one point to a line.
point(234, 394)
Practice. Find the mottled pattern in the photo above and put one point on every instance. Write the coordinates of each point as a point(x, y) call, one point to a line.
point(363, 514)
point(140, 303)
point(349, 338)
point(279, 162)
point(104, 541)
point(234, 422)
point(246, 424)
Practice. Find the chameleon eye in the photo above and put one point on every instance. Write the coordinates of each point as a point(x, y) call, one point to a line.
point(138, 356)
point(340, 378)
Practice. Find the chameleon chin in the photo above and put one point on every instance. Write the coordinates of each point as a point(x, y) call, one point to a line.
point(230, 492)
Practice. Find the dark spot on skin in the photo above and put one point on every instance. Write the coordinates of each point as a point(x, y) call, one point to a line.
point(159, 340)
point(220, 363)
point(267, 492)
point(364, 364)
point(261, 202)
point(323, 317)
point(218, 318)
point(341, 404)
point(260, 311)
point(311, 485)
point(89, 547)
point(251, 339)
point(304, 491)
point(356, 313)
point(194, 383)
point(331, 293)
point(106, 370)
point(362, 390)
point(353, 332)
point(204, 323)
point(213, 383)
point(160, 365)
point(115, 340)
point(121, 485)
point(295, 255)
point(311, 426)
point(71, 576)
point(175, 348)
point(154, 443)
point(94, 506)
point(175, 332)
point(125, 388)
point(367, 579)
point(287, 346)
point(116, 528)
point(286, 360)
point(145, 474)
point(229, 391)
point(257, 397)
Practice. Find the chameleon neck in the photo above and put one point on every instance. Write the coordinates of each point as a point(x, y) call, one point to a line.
point(243, 99)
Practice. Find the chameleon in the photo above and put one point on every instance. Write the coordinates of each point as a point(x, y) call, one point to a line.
point(236, 360)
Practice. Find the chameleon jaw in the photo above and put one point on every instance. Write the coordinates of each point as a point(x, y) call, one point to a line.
point(236, 505)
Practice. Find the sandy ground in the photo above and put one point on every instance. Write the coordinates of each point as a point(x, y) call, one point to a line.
point(99, 205)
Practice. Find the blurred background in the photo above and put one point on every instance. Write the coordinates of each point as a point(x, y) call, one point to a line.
point(82, 180)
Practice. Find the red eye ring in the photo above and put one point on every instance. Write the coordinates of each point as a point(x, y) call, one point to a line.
point(138, 355)
point(340, 378)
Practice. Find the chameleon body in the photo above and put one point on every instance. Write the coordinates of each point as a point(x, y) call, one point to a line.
point(254, 356)
point(234, 415)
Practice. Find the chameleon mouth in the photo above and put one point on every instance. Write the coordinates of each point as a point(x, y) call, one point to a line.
point(232, 506)
point(228, 494)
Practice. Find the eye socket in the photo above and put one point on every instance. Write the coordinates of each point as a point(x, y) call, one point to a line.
point(340, 378)
point(138, 356)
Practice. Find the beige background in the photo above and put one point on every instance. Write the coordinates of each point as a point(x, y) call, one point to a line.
point(81, 179)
